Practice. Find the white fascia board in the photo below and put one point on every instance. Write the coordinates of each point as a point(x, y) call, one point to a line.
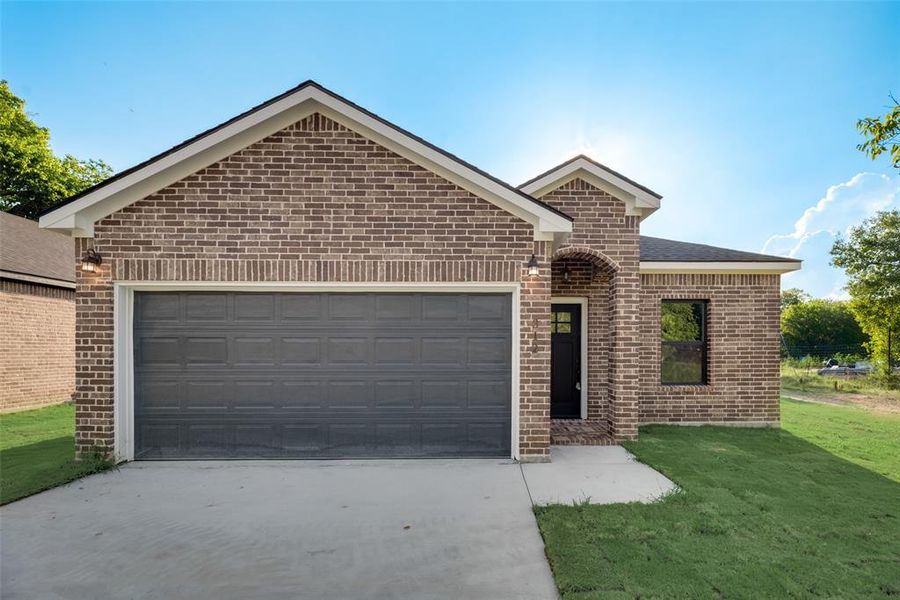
point(78, 217)
point(637, 201)
point(736, 267)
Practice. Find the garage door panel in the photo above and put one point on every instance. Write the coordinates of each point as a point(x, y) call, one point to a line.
point(487, 394)
point(441, 308)
point(204, 351)
point(349, 307)
point(322, 375)
point(488, 350)
point(258, 308)
point(398, 394)
point(253, 351)
point(205, 307)
point(300, 307)
point(254, 395)
point(158, 351)
point(442, 394)
point(160, 395)
point(488, 308)
point(349, 394)
point(301, 394)
point(206, 395)
point(160, 308)
point(390, 307)
point(395, 351)
point(301, 351)
point(348, 351)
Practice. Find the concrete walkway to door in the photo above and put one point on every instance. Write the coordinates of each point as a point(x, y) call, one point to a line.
point(300, 529)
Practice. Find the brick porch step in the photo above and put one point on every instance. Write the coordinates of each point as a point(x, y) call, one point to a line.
point(577, 432)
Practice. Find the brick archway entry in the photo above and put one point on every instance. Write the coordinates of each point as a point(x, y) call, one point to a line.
point(612, 353)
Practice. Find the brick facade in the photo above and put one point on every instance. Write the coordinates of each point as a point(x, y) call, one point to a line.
point(37, 339)
point(317, 202)
point(606, 238)
point(742, 330)
point(314, 202)
point(587, 281)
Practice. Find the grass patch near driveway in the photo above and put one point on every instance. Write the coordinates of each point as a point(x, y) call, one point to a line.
point(802, 512)
point(37, 452)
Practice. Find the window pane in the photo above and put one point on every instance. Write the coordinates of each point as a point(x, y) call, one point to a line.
point(564, 317)
point(682, 363)
point(563, 328)
point(682, 321)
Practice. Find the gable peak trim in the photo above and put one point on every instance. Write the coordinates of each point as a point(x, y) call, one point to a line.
point(78, 214)
point(639, 200)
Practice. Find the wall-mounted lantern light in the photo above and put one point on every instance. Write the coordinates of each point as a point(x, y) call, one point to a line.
point(566, 273)
point(90, 261)
point(533, 266)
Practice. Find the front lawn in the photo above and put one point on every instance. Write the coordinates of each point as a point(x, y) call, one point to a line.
point(37, 452)
point(811, 510)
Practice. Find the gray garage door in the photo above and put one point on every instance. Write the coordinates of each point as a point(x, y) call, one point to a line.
point(238, 375)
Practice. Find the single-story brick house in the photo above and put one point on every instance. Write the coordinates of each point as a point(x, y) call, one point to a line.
point(309, 280)
point(37, 315)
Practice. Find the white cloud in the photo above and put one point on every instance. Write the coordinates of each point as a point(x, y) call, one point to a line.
point(843, 206)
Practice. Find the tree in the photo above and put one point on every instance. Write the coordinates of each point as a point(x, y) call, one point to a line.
point(792, 296)
point(821, 328)
point(871, 258)
point(882, 134)
point(32, 178)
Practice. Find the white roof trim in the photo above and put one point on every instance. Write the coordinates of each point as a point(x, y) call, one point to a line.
point(724, 267)
point(637, 200)
point(78, 217)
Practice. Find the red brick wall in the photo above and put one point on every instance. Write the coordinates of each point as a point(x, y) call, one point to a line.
point(604, 235)
point(742, 329)
point(37, 345)
point(313, 202)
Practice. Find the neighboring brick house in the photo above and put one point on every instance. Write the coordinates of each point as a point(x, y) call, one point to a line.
point(37, 315)
point(309, 280)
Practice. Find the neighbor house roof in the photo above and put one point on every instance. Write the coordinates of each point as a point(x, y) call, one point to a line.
point(31, 254)
point(661, 255)
point(639, 200)
point(78, 214)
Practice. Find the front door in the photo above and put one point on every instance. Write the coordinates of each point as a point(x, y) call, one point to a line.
point(565, 359)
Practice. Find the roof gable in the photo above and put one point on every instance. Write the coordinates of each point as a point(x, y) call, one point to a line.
point(639, 200)
point(78, 214)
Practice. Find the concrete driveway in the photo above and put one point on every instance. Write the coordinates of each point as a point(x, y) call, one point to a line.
point(314, 529)
point(306, 529)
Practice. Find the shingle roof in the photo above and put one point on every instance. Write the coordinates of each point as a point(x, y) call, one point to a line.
point(660, 250)
point(28, 250)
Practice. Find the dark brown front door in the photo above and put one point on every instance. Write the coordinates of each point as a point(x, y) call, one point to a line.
point(565, 357)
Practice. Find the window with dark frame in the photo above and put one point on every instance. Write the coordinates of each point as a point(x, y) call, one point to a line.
point(561, 322)
point(683, 354)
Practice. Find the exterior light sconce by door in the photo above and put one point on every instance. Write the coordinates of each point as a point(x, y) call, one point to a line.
point(533, 265)
point(91, 261)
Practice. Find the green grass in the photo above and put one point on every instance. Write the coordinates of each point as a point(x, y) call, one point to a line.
point(37, 452)
point(855, 434)
point(808, 511)
point(806, 380)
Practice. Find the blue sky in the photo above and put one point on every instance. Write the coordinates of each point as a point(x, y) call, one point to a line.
point(741, 114)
